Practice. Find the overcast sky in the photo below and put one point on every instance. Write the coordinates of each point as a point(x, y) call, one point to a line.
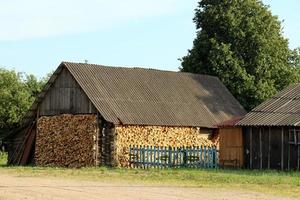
point(36, 35)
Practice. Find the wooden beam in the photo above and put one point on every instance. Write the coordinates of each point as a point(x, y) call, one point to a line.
point(269, 148)
point(260, 149)
point(250, 147)
point(28, 146)
point(282, 147)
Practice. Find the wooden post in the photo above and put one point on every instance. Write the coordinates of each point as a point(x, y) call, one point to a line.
point(260, 148)
point(269, 148)
point(97, 142)
point(282, 147)
point(170, 156)
point(250, 147)
point(298, 160)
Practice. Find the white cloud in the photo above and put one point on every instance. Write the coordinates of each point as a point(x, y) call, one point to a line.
point(28, 19)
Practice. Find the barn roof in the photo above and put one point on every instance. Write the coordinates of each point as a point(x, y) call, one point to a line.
point(283, 109)
point(153, 97)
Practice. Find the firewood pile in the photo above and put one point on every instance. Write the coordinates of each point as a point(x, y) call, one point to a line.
point(158, 136)
point(66, 141)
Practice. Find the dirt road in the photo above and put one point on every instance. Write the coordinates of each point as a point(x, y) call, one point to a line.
point(29, 188)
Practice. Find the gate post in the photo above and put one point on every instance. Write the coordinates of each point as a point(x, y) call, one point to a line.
point(170, 157)
point(185, 159)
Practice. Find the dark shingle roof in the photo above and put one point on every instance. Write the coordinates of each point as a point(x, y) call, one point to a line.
point(151, 97)
point(283, 109)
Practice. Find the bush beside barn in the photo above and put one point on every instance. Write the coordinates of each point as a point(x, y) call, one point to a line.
point(89, 115)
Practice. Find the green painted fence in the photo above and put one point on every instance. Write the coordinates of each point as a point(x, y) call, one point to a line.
point(170, 157)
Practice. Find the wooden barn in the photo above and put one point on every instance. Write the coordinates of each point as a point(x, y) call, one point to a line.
point(272, 132)
point(89, 115)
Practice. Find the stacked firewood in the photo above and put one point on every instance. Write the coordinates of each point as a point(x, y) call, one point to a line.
point(161, 137)
point(66, 141)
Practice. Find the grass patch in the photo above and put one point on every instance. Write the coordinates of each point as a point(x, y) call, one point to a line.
point(3, 158)
point(274, 182)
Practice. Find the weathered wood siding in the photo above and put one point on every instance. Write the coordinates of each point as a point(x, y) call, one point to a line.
point(269, 148)
point(66, 97)
point(231, 147)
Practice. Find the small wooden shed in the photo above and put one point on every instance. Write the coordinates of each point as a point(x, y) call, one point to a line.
point(271, 132)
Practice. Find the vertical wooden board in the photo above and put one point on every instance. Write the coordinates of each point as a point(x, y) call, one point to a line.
point(222, 145)
point(62, 99)
point(255, 148)
point(260, 148)
point(52, 99)
point(67, 103)
point(269, 147)
point(286, 147)
point(293, 156)
point(79, 102)
point(57, 81)
point(72, 100)
point(86, 103)
point(275, 148)
point(57, 100)
point(265, 147)
point(246, 139)
point(75, 108)
point(47, 101)
point(69, 81)
point(282, 149)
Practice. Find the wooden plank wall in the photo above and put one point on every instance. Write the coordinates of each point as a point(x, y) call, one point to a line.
point(231, 147)
point(269, 148)
point(66, 97)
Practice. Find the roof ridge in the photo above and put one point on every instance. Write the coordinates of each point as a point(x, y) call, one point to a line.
point(138, 68)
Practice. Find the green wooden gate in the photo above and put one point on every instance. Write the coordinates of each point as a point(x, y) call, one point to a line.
point(169, 157)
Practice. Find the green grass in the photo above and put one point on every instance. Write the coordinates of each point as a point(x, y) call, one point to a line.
point(274, 182)
point(3, 158)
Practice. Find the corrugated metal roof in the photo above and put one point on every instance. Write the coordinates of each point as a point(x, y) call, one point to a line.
point(283, 109)
point(153, 97)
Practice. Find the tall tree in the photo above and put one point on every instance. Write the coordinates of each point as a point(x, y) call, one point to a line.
point(241, 42)
point(17, 93)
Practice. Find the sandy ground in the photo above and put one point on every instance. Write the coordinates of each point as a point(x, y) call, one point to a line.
point(29, 188)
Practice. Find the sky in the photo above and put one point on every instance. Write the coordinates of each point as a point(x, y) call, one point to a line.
point(37, 35)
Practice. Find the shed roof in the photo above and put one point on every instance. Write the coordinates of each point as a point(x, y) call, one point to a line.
point(283, 109)
point(154, 97)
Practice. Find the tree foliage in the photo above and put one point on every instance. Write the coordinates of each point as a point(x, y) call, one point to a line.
point(241, 42)
point(17, 93)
